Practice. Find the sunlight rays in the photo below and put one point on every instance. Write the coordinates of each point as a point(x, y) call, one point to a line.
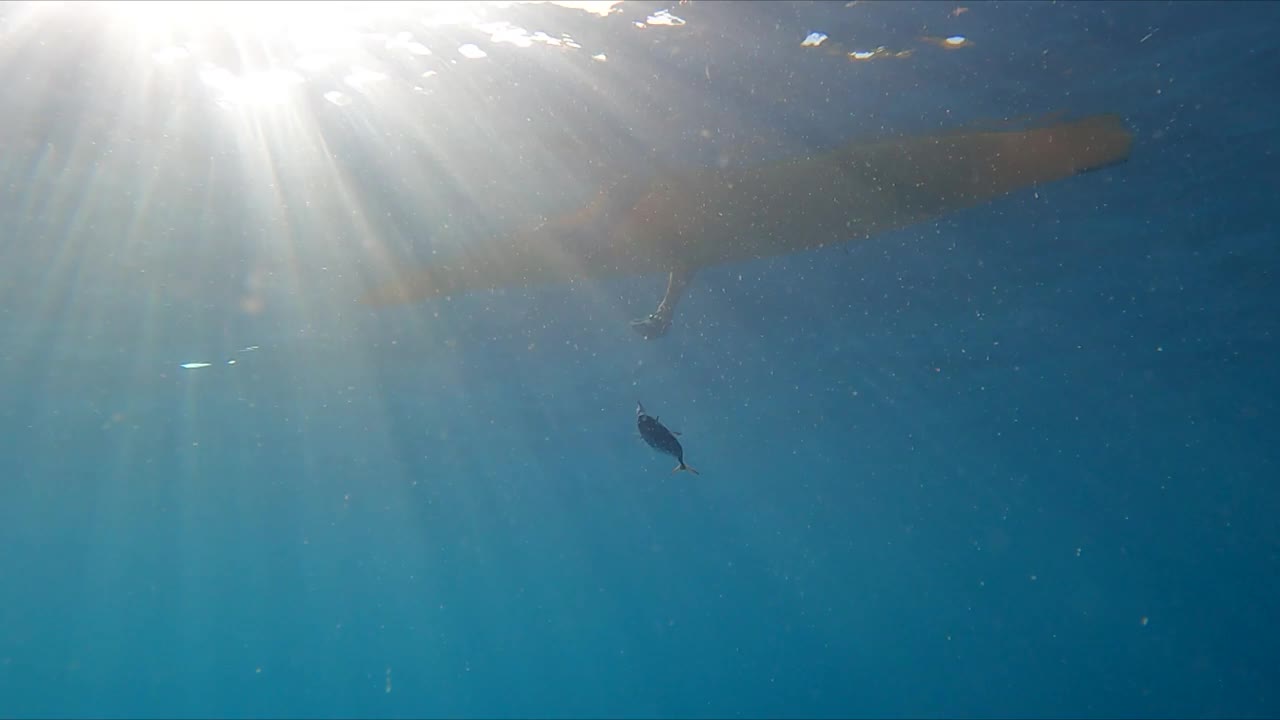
point(267, 85)
point(284, 75)
point(200, 174)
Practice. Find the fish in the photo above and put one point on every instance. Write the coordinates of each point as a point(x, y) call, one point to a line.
point(680, 222)
point(658, 437)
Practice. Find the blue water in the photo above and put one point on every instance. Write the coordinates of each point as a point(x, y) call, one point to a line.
point(1017, 462)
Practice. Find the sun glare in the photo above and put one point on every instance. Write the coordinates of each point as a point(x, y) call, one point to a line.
point(253, 16)
point(283, 43)
point(279, 95)
point(268, 16)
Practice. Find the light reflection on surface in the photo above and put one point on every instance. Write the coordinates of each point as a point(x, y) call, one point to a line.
point(329, 119)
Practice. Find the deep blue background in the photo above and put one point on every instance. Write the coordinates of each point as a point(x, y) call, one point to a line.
point(1017, 462)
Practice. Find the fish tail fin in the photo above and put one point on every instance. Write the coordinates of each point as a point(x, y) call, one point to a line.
point(684, 468)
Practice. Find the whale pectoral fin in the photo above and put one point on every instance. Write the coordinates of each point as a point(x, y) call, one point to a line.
point(659, 321)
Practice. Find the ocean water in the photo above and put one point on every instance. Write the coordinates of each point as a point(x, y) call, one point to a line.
point(1016, 461)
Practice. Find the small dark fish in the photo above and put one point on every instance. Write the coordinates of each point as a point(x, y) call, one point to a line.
point(660, 438)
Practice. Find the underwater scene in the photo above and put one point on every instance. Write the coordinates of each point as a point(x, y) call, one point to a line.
point(601, 359)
